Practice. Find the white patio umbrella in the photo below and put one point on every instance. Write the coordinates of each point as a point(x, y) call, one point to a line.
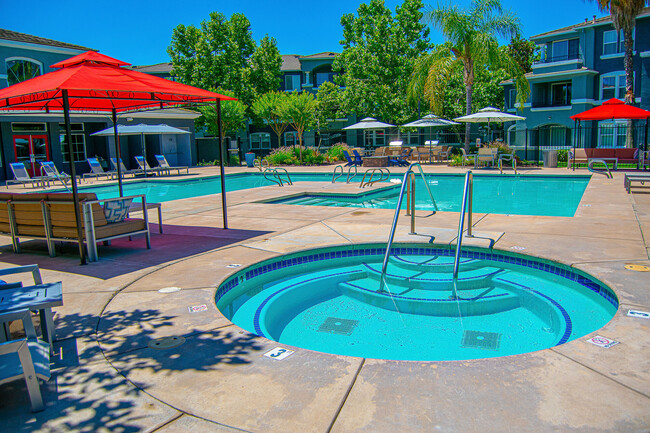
point(369, 123)
point(141, 130)
point(487, 115)
point(430, 121)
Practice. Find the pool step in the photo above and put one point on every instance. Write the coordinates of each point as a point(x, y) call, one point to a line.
point(477, 302)
point(409, 279)
point(435, 264)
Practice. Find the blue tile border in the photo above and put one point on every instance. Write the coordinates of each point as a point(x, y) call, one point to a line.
point(334, 253)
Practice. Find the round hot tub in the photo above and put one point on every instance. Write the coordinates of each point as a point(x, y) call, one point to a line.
point(331, 300)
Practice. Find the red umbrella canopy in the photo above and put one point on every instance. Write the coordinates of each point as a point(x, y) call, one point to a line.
point(96, 82)
point(613, 109)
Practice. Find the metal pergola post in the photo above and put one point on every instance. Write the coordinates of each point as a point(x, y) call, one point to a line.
point(223, 174)
point(73, 177)
point(118, 152)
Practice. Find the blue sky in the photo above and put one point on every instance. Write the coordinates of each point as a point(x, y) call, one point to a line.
point(139, 31)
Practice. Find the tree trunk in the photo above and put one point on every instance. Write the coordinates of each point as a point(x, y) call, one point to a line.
point(468, 75)
point(628, 63)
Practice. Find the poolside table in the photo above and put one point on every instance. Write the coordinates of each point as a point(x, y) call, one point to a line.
point(39, 298)
point(137, 207)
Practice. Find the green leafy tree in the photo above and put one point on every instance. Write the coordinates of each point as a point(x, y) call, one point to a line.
point(379, 50)
point(223, 54)
point(472, 42)
point(328, 105)
point(300, 110)
point(265, 71)
point(270, 108)
point(233, 115)
point(524, 52)
point(624, 13)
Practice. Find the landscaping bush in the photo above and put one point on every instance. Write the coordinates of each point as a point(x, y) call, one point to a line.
point(291, 156)
point(335, 153)
point(562, 155)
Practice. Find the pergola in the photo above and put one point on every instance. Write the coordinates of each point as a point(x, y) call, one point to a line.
point(94, 83)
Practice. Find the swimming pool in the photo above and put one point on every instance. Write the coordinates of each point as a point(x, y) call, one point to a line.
point(524, 195)
point(328, 300)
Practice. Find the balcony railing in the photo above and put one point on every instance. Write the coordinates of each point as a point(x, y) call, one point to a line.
point(546, 104)
point(561, 58)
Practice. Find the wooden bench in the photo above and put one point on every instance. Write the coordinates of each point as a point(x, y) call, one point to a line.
point(51, 216)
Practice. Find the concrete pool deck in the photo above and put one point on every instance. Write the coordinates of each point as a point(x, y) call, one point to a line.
point(108, 379)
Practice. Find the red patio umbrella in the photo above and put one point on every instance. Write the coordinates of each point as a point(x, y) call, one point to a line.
point(612, 109)
point(93, 82)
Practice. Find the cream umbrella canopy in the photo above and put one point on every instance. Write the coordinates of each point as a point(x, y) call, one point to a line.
point(487, 115)
point(369, 123)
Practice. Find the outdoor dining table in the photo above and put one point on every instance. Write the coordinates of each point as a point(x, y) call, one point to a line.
point(41, 298)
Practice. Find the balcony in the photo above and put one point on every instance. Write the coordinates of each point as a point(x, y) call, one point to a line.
point(560, 58)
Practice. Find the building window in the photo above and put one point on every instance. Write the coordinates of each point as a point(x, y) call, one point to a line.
point(78, 142)
point(560, 50)
point(322, 77)
point(614, 43)
point(290, 138)
point(260, 140)
point(512, 98)
point(612, 134)
point(560, 94)
point(22, 69)
point(612, 86)
point(291, 82)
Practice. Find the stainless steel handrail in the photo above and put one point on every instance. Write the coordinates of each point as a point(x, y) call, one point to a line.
point(391, 236)
point(259, 163)
point(508, 157)
point(277, 170)
point(590, 167)
point(334, 176)
point(350, 175)
point(384, 175)
point(277, 175)
point(467, 197)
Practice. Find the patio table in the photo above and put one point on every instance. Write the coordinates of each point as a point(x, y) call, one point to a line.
point(41, 298)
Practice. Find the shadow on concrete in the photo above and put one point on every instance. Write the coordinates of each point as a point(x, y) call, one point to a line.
point(123, 255)
point(86, 394)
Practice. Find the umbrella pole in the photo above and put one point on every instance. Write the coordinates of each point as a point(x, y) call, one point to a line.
point(144, 155)
point(223, 174)
point(73, 177)
point(118, 152)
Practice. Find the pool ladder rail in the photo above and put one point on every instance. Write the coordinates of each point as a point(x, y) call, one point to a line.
point(276, 175)
point(408, 184)
point(350, 175)
point(606, 172)
point(384, 176)
point(259, 163)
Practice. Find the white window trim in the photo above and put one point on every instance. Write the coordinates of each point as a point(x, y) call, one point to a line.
point(27, 59)
point(290, 133)
point(615, 74)
point(619, 39)
point(260, 134)
point(611, 124)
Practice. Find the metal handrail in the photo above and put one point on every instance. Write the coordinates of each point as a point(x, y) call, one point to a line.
point(259, 163)
point(391, 236)
point(350, 175)
point(590, 167)
point(384, 176)
point(277, 178)
point(508, 157)
point(467, 197)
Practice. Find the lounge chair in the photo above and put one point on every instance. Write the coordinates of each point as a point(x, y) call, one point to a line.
point(471, 157)
point(350, 160)
point(25, 358)
point(96, 170)
point(22, 176)
point(641, 178)
point(404, 156)
point(486, 156)
point(144, 166)
point(164, 165)
point(53, 173)
point(123, 168)
point(357, 158)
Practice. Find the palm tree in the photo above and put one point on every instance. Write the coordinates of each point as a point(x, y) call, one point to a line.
point(472, 41)
point(624, 13)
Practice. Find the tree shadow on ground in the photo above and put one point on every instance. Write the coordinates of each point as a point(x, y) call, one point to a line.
point(123, 255)
point(86, 394)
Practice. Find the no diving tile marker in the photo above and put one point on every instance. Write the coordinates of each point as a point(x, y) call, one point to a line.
point(234, 265)
point(198, 308)
point(279, 353)
point(639, 314)
point(169, 289)
point(603, 342)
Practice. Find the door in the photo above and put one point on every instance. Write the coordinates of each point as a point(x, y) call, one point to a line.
point(30, 150)
point(169, 148)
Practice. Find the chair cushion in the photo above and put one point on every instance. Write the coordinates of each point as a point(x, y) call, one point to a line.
point(115, 211)
point(128, 225)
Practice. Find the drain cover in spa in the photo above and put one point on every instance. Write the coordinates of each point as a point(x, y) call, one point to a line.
point(638, 268)
point(481, 340)
point(334, 325)
point(166, 343)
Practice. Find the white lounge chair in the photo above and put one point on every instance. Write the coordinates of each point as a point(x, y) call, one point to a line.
point(22, 176)
point(123, 168)
point(162, 163)
point(96, 170)
point(53, 173)
point(641, 178)
point(144, 166)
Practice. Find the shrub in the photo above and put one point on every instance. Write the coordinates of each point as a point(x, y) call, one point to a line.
point(335, 152)
point(562, 155)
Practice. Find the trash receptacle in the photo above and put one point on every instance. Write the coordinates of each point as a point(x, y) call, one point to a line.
point(550, 158)
point(250, 159)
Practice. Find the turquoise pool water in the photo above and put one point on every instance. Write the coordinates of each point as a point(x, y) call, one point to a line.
point(327, 300)
point(524, 195)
